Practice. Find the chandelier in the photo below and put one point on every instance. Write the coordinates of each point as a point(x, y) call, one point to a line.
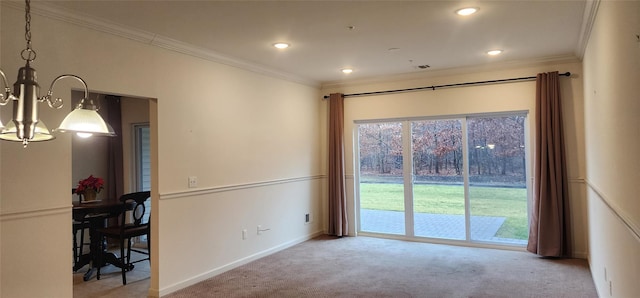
point(25, 126)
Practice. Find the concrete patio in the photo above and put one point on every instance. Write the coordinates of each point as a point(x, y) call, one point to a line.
point(443, 226)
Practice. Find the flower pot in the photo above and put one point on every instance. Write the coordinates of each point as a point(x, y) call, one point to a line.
point(89, 195)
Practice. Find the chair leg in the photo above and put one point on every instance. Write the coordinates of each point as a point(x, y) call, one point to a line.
point(75, 248)
point(129, 251)
point(81, 240)
point(124, 264)
point(100, 248)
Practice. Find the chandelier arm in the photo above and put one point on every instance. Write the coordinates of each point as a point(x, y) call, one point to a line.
point(6, 95)
point(58, 102)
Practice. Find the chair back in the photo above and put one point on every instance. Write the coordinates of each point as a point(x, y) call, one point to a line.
point(80, 196)
point(77, 216)
point(136, 203)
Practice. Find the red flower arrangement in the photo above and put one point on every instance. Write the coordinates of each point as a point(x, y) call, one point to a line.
point(95, 183)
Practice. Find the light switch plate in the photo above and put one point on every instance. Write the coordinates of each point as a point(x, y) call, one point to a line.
point(193, 181)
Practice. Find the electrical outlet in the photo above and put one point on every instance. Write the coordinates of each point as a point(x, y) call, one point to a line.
point(308, 218)
point(259, 230)
point(244, 234)
point(193, 181)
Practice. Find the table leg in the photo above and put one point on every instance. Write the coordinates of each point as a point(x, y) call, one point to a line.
point(87, 276)
point(82, 260)
point(113, 259)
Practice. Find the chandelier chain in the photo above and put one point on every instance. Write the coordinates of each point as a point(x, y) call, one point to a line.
point(30, 53)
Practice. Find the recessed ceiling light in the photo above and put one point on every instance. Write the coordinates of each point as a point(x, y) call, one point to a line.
point(494, 52)
point(347, 70)
point(466, 11)
point(281, 45)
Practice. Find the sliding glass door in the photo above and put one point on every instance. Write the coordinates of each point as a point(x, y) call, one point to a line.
point(457, 179)
point(438, 190)
point(382, 208)
point(497, 179)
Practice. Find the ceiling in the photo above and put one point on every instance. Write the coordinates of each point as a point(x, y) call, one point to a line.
point(375, 38)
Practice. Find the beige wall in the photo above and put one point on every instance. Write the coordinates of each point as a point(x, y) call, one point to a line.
point(251, 140)
point(612, 85)
point(470, 100)
point(255, 151)
point(1, 167)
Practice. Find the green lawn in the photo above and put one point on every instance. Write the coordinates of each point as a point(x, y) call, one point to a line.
point(449, 199)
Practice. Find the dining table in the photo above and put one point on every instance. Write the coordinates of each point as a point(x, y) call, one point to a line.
point(97, 213)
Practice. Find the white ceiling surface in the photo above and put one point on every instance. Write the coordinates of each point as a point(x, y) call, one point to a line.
point(421, 32)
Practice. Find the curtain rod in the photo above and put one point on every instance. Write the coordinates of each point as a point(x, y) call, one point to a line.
point(566, 74)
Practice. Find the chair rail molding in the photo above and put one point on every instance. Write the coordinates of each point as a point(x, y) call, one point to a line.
point(616, 210)
point(22, 214)
point(226, 188)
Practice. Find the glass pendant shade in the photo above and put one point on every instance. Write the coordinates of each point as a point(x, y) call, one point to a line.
point(85, 121)
point(41, 133)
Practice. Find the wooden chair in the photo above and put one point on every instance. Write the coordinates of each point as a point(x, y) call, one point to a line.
point(125, 230)
point(79, 225)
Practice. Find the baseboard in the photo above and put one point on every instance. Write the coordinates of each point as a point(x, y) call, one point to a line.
point(209, 274)
point(153, 293)
point(580, 255)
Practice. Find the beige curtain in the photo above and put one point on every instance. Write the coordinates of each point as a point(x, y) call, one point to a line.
point(338, 224)
point(549, 225)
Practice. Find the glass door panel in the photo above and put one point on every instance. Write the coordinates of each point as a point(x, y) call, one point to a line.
point(497, 179)
point(381, 178)
point(142, 153)
point(438, 184)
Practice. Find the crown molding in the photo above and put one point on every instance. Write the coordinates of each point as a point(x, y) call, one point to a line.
point(149, 38)
point(51, 11)
point(588, 19)
point(553, 60)
point(202, 53)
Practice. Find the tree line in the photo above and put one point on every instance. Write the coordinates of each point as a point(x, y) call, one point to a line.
point(496, 147)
